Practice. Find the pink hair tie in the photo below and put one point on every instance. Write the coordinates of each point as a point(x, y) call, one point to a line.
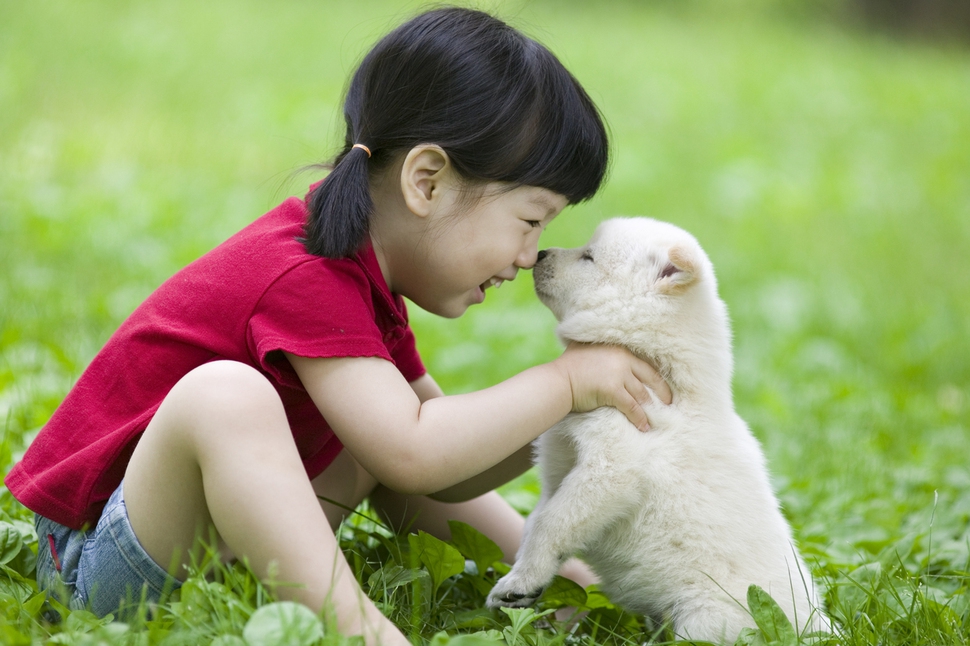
point(362, 147)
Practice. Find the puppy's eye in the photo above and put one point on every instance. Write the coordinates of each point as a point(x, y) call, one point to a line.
point(587, 255)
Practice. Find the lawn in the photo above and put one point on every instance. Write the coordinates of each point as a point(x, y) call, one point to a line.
point(825, 169)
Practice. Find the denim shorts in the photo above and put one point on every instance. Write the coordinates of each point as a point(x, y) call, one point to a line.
point(104, 570)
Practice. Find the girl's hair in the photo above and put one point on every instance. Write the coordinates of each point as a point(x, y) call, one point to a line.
point(498, 103)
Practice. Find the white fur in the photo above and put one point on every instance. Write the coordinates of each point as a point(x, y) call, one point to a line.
point(680, 520)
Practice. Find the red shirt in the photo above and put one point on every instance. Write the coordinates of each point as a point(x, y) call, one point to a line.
point(250, 298)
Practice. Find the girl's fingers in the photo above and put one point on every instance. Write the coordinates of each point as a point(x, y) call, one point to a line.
point(592, 370)
point(649, 376)
point(643, 388)
point(631, 407)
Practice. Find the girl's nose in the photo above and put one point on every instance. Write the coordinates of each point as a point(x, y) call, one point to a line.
point(527, 258)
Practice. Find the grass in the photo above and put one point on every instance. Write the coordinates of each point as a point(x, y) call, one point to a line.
point(824, 169)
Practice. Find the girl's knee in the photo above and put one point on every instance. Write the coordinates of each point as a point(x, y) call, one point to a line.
point(230, 380)
point(222, 392)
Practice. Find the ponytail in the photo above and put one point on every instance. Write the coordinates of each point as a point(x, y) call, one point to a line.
point(340, 208)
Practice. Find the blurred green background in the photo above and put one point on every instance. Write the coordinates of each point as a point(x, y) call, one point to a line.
point(824, 166)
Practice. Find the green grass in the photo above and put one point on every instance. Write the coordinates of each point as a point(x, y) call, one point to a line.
point(825, 170)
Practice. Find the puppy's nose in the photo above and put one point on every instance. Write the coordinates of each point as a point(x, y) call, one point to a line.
point(542, 254)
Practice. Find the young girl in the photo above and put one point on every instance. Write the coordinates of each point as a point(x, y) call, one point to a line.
point(226, 399)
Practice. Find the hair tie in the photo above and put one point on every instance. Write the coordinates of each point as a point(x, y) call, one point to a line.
point(362, 147)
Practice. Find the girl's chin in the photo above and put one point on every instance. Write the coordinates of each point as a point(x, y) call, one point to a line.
point(454, 307)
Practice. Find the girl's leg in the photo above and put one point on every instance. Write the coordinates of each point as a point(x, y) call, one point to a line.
point(219, 453)
point(489, 514)
point(341, 487)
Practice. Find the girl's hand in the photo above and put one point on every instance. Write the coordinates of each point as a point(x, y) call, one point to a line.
point(605, 375)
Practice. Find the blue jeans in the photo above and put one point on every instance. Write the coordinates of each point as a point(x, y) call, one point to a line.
point(105, 570)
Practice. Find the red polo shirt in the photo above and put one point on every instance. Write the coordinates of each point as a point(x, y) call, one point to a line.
point(257, 294)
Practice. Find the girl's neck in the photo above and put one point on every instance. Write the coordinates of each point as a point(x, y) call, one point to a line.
point(385, 221)
point(381, 260)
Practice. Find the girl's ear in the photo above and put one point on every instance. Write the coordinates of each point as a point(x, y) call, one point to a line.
point(424, 174)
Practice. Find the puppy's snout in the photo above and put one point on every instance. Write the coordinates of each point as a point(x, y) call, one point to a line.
point(542, 254)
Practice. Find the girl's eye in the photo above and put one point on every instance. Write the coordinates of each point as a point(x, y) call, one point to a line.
point(535, 224)
point(587, 255)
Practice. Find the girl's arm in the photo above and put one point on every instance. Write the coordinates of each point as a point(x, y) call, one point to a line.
point(426, 388)
point(421, 448)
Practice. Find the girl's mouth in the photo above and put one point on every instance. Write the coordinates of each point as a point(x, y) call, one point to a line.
point(491, 282)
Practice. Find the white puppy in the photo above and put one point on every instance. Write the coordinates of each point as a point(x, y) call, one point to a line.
point(680, 520)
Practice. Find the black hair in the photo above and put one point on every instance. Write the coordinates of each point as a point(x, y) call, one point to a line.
point(498, 103)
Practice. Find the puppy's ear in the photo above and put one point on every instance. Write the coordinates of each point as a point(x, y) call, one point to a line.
point(679, 273)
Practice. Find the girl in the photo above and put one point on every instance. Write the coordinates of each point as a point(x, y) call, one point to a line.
point(225, 400)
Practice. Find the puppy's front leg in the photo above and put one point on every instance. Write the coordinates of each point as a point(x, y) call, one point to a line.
point(569, 520)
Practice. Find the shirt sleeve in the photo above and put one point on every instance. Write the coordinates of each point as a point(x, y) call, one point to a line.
point(316, 309)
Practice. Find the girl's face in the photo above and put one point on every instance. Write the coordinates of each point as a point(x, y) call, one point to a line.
point(467, 249)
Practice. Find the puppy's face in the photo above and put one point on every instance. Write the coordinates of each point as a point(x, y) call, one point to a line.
point(632, 268)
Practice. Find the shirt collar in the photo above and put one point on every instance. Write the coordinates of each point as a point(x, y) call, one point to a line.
point(367, 260)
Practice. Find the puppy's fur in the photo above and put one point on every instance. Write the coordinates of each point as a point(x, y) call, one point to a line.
point(678, 521)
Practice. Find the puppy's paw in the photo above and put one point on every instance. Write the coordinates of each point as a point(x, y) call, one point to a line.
point(510, 593)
